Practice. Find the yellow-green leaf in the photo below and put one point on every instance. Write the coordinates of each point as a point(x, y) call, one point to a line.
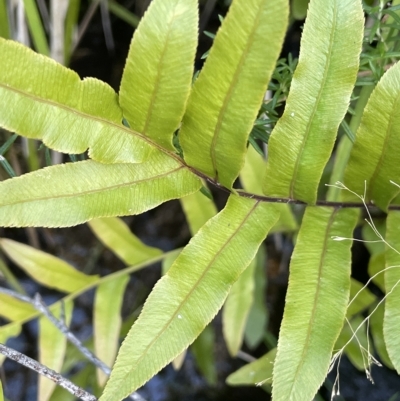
point(254, 373)
point(44, 100)
point(392, 279)
point(374, 158)
point(236, 309)
point(72, 193)
point(316, 302)
point(198, 210)
point(227, 95)
point(117, 236)
point(45, 268)
point(361, 298)
point(107, 321)
point(185, 300)
point(52, 347)
point(14, 309)
point(158, 72)
point(302, 140)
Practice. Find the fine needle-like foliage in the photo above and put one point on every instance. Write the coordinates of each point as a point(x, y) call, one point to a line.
point(168, 136)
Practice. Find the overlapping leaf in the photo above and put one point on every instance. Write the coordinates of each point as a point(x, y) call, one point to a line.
point(316, 303)
point(107, 321)
point(45, 268)
point(52, 347)
point(302, 141)
point(185, 300)
point(49, 102)
point(374, 158)
point(392, 282)
point(158, 72)
point(227, 95)
point(237, 308)
point(117, 236)
point(73, 193)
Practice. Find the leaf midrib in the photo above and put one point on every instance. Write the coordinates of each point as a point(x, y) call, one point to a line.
point(316, 104)
point(94, 191)
point(82, 114)
point(231, 90)
point(194, 287)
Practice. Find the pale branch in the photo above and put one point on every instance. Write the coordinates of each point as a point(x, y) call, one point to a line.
point(41, 307)
point(45, 371)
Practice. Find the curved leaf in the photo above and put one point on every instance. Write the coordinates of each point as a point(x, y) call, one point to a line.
point(302, 140)
point(227, 95)
point(158, 73)
point(374, 158)
point(73, 193)
point(44, 100)
point(107, 321)
point(392, 282)
point(116, 235)
point(198, 210)
point(13, 309)
point(52, 347)
point(185, 300)
point(45, 268)
point(237, 308)
point(254, 373)
point(316, 302)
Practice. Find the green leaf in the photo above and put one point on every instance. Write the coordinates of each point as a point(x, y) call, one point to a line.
point(117, 236)
point(227, 95)
point(302, 140)
point(374, 158)
point(36, 28)
point(254, 373)
point(392, 280)
point(52, 347)
point(72, 193)
point(299, 9)
point(44, 100)
point(363, 298)
point(4, 24)
point(376, 326)
point(45, 268)
point(185, 300)
point(258, 315)
point(107, 321)
point(357, 346)
point(203, 351)
point(376, 268)
point(316, 302)
point(13, 309)
point(198, 210)
point(236, 309)
point(158, 72)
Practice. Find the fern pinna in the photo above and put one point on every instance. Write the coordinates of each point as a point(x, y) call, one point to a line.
point(165, 137)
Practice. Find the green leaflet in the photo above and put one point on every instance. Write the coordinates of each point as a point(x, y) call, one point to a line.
point(52, 347)
point(375, 155)
point(14, 309)
point(45, 268)
point(227, 95)
point(299, 9)
point(302, 141)
point(198, 210)
point(185, 300)
point(203, 351)
point(316, 302)
point(254, 373)
point(237, 308)
point(360, 298)
point(158, 72)
point(107, 321)
point(376, 327)
point(117, 236)
point(258, 314)
point(73, 193)
point(392, 280)
point(44, 100)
